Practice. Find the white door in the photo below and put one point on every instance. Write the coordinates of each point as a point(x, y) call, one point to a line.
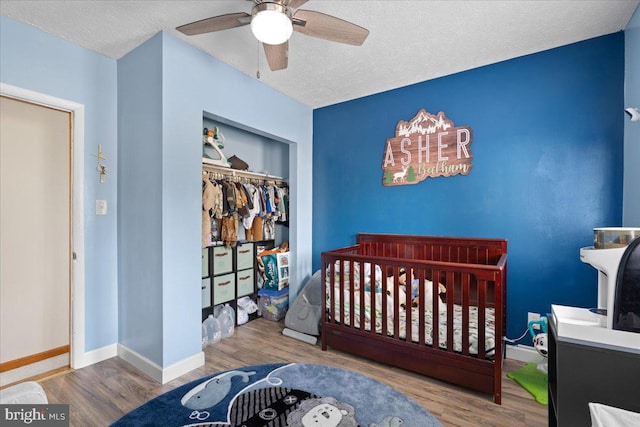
point(35, 233)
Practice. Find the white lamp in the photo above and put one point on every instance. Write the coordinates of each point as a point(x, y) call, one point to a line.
point(271, 23)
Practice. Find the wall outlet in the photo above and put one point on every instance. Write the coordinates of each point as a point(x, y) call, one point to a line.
point(533, 316)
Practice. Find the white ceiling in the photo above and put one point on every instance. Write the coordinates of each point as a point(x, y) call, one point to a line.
point(409, 41)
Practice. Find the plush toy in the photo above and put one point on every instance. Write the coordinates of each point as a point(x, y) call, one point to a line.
point(415, 289)
point(541, 346)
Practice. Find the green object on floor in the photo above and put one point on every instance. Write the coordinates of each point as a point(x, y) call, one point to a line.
point(532, 380)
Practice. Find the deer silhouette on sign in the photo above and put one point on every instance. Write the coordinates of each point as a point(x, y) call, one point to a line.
point(400, 176)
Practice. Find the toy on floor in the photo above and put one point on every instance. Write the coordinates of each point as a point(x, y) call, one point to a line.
point(540, 342)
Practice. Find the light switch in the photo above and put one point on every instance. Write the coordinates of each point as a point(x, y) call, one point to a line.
point(101, 207)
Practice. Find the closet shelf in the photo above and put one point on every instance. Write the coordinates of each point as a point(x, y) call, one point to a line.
point(238, 173)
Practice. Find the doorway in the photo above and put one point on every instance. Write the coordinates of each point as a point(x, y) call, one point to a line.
point(38, 234)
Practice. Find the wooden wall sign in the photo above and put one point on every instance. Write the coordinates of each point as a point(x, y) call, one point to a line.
point(426, 146)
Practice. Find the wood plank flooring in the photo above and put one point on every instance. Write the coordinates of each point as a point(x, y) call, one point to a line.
point(101, 393)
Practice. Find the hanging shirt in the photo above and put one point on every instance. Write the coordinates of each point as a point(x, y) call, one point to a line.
point(217, 200)
point(229, 199)
point(254, 210)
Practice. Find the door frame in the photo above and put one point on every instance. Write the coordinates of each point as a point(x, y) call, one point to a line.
point(77, 321)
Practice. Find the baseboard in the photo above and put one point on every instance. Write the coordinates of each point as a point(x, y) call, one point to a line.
point(94, 356)
point(182, 367)
point(142, 363)
point(523, 353)
point(33, 369)
point(154, 370)
point(34, 358)
point(50, 364)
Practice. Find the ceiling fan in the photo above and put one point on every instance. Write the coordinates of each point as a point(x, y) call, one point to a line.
point(273, 21)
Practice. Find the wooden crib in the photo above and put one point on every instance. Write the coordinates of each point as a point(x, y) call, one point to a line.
point(455, 336)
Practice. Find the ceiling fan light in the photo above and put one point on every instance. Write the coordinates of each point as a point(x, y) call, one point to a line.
point(271, 23)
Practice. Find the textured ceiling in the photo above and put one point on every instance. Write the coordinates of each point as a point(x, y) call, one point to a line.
point(409, 41)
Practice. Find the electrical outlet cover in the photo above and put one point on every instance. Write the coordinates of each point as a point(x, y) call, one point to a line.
point(101, 207)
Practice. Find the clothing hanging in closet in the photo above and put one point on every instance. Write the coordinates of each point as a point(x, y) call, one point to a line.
point(227, 203)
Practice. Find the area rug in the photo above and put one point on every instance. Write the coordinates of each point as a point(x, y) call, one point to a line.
point(532, 380)
point(294, 394)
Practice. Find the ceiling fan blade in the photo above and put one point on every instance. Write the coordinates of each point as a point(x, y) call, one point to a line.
point(294, 4)
point(277, 55)
point(321, 25)
point(216, 23)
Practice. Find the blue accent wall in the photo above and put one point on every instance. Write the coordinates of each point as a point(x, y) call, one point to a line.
point(547, 167)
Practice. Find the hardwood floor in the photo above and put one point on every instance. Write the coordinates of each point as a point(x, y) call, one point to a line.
point(101, 393)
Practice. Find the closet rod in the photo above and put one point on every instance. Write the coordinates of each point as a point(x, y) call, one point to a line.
point(235, 172)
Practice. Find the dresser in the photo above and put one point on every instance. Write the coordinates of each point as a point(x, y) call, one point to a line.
point(588, 363)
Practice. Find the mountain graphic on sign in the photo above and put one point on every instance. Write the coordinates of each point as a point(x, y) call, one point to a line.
point(424, 123)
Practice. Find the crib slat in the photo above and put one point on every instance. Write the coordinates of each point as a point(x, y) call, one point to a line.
point(407, 309)
point(409, 305)
point(362, 318)
point(342, 314)
point(373, 315)
point(350, 294)
point(465, 314)
point(385, 314)
point(323, 337)
point(348, 290)
point(450, 310)
point(414, 326)
point(384, 307)
point(482, 291)
point(332, 291)
point(435, 318)
point(396, 304)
